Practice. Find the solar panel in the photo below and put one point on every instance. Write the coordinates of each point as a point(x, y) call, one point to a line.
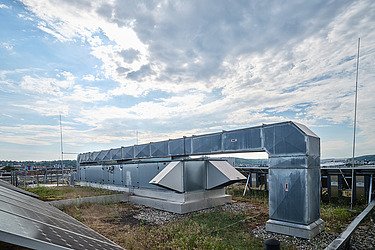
point(31, 223)
point(10, 186)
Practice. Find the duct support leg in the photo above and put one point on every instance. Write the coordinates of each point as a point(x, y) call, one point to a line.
point(294, 203)
point(329, 187)
point(370, 190)
point(354, 187)
point(265, 182)
point(247, 183)
point(339, 185)
point(257, 180)
point(366, 179)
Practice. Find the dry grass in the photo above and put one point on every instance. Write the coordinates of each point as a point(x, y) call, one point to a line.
point(67, 192)
point(226, 227)
point(210, 229)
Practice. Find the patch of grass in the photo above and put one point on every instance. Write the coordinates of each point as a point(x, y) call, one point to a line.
point(66, 192)
point(214, 229)
point(210, 230)
point(253, 196)
point(337, 218)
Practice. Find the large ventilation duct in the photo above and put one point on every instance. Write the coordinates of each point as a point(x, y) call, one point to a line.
point(294, 174)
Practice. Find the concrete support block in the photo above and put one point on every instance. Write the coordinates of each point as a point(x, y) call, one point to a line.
point(168, 200)
point(181, 207)
point(181, 203)
point(296, 230)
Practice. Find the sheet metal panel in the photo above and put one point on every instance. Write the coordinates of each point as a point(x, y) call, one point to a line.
point(118, 175)
point(94, 156)
point(188, 141)
point(159, 149)
point(147, 172)
point(294, 196)
point(296, 162)
point(313, 146)
point(82, 173)
point(116, 154)
point(242, 139)
point(94, 174)
point(176, 147)
point(206, 143)
point(287, 201)
point(127, 152)
point(111, 174)
point(284, 139)
point(171, 177)
point(194, 175)
point(104, 155)
point(305, 130)
point(130, 175)
point(142, 151)
point(220, 174)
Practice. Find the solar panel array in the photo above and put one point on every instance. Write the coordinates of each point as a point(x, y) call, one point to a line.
point(19, 190)
point(29, 222)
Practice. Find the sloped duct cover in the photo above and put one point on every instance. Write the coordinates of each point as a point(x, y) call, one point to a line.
point(171, 177)
point(221, 173)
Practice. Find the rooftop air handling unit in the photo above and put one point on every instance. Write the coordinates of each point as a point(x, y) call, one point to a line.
point(162, 174)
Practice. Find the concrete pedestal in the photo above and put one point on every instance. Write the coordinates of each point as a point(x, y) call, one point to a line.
point(186, 203)
point(171, 201)
point(296, 230)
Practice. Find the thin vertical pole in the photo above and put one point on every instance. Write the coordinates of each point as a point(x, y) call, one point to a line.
point(355, 123)
point(62, 152)
point(370, 191)
point(247, 183)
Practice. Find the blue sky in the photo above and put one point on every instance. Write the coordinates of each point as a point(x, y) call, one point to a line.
point(174, 68)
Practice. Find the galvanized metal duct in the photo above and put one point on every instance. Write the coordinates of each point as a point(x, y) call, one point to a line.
point(294, 172)
point(286, 138)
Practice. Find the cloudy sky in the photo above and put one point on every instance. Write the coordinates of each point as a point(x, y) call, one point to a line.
point(174, 68)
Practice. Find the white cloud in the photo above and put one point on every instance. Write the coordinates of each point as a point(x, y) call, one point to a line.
point(52, 32)
point(46, 107)
point(87, 94)
point(68, 22)
point(30, 134)
point(217, 65)
point(7, 46)
point(89, 78)
point(47, 85)
point(4, 6)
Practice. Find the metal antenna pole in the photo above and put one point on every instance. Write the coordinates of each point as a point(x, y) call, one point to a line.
point(355, 123)
point(62, 151)
point(137, 136)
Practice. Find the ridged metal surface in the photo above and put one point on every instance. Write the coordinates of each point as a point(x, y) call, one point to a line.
point(34, 224)
point(285, 138)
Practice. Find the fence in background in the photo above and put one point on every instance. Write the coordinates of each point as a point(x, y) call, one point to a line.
point(51, 176)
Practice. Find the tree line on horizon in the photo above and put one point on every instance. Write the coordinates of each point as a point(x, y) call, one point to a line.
point(66, 163)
